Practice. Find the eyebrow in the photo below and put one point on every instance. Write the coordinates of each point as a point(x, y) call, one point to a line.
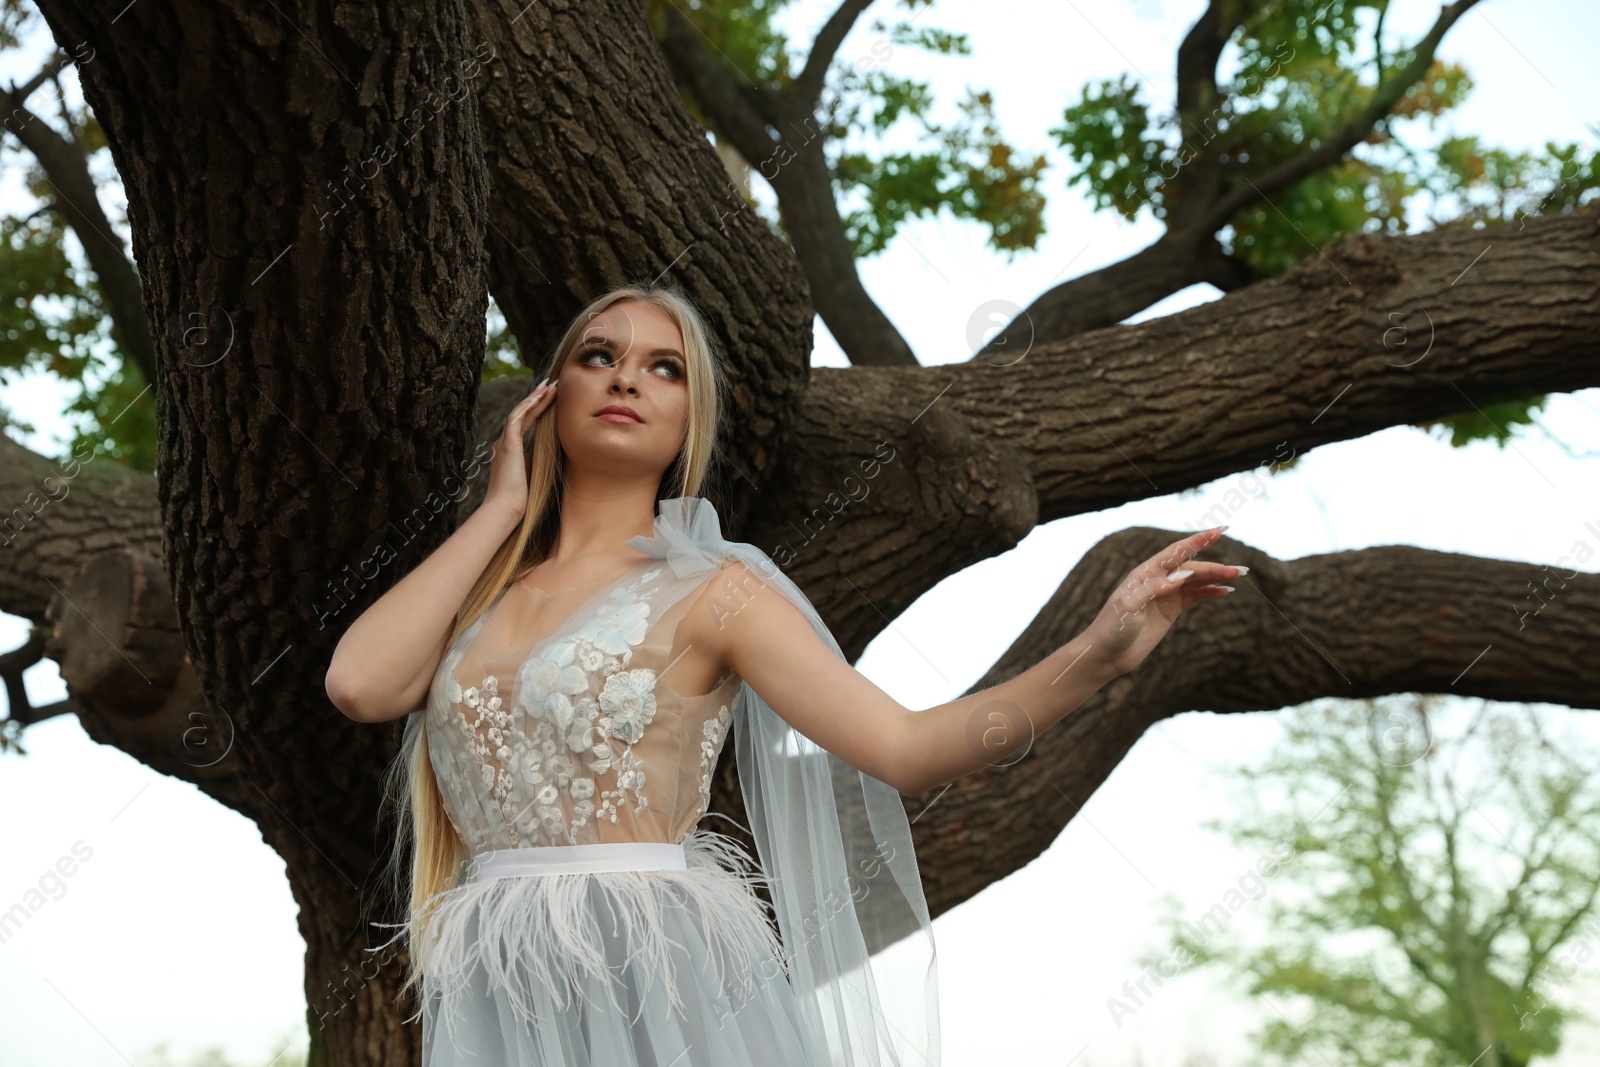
point(606, 342)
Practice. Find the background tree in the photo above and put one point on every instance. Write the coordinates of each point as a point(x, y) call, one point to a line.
point(1425, 903)
point(321, 203)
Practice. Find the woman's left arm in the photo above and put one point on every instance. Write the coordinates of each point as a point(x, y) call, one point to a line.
point(757, 632)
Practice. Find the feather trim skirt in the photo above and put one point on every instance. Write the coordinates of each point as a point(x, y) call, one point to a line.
point(622, 968)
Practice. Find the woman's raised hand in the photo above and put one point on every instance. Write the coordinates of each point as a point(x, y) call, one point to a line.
point(508, 463)
point(1145, 604)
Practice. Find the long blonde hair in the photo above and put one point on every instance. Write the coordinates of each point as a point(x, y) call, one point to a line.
point(438, 855)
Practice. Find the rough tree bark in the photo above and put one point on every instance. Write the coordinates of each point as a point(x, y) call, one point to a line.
point(319, 205)
point(309, 219)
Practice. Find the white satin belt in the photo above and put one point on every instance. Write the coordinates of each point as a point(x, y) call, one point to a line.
point(565, 859)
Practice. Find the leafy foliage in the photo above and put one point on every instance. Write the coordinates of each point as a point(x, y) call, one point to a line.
point(1294, 85)
point(1489, 421)
point(971, 172)
point(46, 319)
point(502, 358)
point(1301, 74)
point(52, 319)
point(964, 167)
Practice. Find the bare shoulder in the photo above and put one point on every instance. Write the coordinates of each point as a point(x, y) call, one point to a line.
point(737, 598)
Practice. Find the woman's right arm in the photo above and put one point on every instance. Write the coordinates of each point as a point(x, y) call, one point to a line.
point(385, 662)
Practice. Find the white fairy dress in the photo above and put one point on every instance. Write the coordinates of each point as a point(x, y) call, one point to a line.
point(598, 923)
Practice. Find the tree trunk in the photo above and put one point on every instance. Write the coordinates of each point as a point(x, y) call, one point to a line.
point(310, 224)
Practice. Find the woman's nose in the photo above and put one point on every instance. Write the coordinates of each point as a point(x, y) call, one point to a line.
point(624, 378)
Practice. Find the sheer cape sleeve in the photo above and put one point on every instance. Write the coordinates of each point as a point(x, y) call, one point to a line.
point(833, 841)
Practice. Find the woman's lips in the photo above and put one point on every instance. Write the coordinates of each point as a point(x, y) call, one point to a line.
point(616, 416)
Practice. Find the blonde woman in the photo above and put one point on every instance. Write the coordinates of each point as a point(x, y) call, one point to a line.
point(572, 661)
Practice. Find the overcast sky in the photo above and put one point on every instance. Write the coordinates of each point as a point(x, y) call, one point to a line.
point(179, 926)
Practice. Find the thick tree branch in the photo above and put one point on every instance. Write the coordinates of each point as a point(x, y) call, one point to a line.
point(803, 179)
point(1378, 332)
point(1200, 199)
point(806, 90)
point(1364, 623)
point(1198, 104)
point(1198, 54)
point(796, 166)
point(49, 72)
point(57, 513)
point(1106, 296)
point(738, 109)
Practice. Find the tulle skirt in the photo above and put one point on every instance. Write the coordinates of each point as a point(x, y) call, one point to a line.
point(609, 968)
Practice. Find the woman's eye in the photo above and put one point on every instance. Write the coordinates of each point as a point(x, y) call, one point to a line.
point(673, 368)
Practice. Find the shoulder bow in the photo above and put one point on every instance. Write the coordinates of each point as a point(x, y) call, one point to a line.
point(688, 535)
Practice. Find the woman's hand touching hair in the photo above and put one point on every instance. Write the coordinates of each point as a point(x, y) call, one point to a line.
point(1149, 600)
point(508, 463)
point(385, 662)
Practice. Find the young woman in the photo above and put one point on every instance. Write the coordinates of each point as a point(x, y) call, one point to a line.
point(572, 660)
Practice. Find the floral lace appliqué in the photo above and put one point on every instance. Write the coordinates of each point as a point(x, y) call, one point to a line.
point(715, 731)
point(629, 699)
point(566, 732)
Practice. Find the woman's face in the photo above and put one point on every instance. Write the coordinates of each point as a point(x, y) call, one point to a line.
point(630, 356)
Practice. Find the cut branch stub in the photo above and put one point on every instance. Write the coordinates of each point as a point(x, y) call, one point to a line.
point(116, 633)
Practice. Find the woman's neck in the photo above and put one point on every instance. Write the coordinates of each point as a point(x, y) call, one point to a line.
point(597, 520)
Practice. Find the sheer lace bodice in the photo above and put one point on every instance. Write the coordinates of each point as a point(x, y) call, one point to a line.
point(577, 735)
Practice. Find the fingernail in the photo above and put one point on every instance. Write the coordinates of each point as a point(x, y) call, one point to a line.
point(1226, 588)
point(1220, 529)
point(541, 383)
point(1241, 568)
point(1178, 576)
